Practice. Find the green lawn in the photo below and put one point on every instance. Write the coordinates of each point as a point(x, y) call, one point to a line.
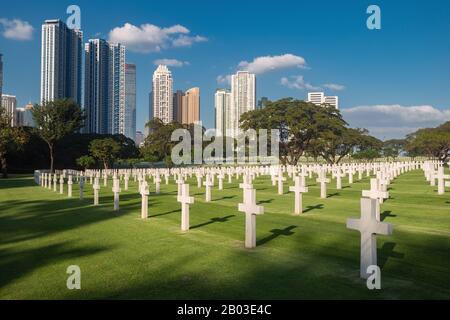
point(297, 257)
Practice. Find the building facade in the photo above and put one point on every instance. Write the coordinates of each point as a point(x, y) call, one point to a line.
point(319, 98)
point(178, 106)
point(191, 106)
point(24, 116)
point(243, 98)
point(61, 62)
point(9, 102)
point(130, 101)
point(96, 86)
point(222, 104)
point(117, 88)
point(104, 87)
point(161, 100)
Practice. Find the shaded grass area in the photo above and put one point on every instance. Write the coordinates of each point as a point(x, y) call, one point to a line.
point(298, 257)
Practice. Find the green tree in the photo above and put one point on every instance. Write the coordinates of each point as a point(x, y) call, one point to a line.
point(11, 139)
point(366, 154)
point(55, 120)
point(86, 162)
point(393, 147)
point(158, 145)
point(301, 125)
point(431, 142)
point(105, 150)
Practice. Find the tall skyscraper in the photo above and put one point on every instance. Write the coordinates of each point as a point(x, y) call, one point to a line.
point(222, 103)
point(162, 94)
point(243, 98)
point(319, 98)
point(61, 62)
point(178, 106)
point(191, 106)
point(130, 101)
point(104, 89)
point(9, 102)
point(24, 116)
point(1, 78)
point(117, 87)
point(96, 86)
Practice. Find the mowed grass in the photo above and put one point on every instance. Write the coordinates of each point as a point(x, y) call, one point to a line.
point(297, 257)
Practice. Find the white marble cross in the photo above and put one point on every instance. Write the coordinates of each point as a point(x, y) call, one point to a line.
point(96, 188)
point(208, 184)
point(220, 177)
point(158, 184)
point(61, 184)
point(338, 174)
point(69, 187)
point(116, 190)
point(369, 227)
point(323, 183)
point(145, 192)
point(441, 177)
point(245, 185)
point(81, 185)
point(375, 193)
point(126, 179)
point(199, 181)
point(280, 180)
point(55, 181)
point(298, 189)
point(179, 182)
point(105, 179)
point(185, 201)
point(250, 209)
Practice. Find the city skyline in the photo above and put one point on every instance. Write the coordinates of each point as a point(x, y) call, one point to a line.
point(203, 52)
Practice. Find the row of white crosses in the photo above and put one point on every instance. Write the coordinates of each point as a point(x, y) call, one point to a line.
point(369, 225)
point(435, 170)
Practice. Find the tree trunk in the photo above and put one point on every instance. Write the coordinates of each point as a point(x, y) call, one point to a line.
point(4, 166)
point(105, 164)
point(50, 148)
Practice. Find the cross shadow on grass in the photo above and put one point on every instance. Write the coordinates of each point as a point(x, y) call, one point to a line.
point(275, 234)
point(213, 220)
point(386, 252)
point(225, 198)
point(311, 208)
point(331, 195)
point(387, 214)
point(266, 201)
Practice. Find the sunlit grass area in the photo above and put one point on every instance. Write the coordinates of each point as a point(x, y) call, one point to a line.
point(309, 256)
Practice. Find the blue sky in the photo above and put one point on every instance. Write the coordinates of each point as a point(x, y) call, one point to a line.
point(394, 80)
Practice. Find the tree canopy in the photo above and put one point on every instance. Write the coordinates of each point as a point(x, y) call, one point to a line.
point(105, 150)
point(305, 128)
point(55, 120)
point(11, 139)
point(432, 142)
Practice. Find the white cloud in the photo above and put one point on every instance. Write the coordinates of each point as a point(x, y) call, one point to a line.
point(187, 41)
point(151, 38)
point(224, 79)
point(394, 121)
point(269, 63)
point(171, 62)
point(16, 29)
point(298, 82)
point(334, 86)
